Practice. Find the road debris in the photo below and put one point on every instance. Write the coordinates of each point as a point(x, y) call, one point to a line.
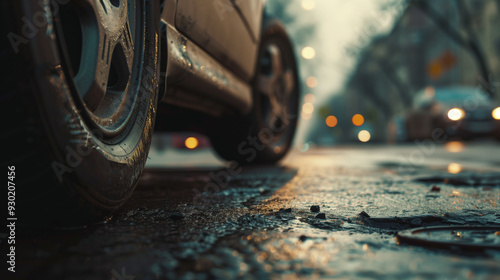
point(315, 208)
point(321, 216)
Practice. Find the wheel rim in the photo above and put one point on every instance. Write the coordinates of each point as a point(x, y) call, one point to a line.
point(276, 87)
point(102, 40)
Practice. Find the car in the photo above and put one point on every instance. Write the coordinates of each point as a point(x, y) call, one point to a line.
point(455, 112)
point(88, 82)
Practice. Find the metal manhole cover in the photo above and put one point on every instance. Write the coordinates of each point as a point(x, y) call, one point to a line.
point(468, 238)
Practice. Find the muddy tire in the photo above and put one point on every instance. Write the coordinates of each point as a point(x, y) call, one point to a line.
point(79, 104)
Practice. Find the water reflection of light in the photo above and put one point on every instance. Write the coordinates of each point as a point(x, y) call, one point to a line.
point(308, 53)
point(454, 168)
point(312, 82)
point(364, 136)
point(454, 147)
point(308, 5)
point(366, 247)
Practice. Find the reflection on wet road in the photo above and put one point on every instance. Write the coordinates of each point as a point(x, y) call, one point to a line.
point(324, 213)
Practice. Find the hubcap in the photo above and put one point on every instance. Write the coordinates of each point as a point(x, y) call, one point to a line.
point(100, 41)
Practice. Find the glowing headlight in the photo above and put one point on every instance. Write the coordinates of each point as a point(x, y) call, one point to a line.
point(496, 113)
point(456, 114)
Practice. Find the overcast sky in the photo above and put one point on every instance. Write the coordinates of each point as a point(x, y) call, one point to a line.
point(340, 25)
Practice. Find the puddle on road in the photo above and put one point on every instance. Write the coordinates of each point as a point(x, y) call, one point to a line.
point(453, 174)
point(470, 179)
point(262, 226)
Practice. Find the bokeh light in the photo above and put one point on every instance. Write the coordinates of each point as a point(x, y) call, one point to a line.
point(191, 143)
point(430, 92)
point(308, 5)
point(312, 82)
point(331, 121)
point(308, 53)
point(309, 98)
point(454, 147)
point(456, 114)
point(358, 120)
point(496, 113)
point(306, 116)
point(364, 136)
point(308, 108)
point(454, 168)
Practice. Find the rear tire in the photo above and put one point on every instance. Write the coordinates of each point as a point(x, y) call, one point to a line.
point(76, 158)
point(265, 135)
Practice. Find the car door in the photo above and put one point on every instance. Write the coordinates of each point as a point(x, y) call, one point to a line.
point(226, 29)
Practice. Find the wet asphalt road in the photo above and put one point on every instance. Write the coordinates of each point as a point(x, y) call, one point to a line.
point(193, 217)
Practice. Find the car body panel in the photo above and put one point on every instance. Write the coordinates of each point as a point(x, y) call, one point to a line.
point(168, 12)
point(209, 53)
point(252, 12)
point(221, 29)
point(194, 78)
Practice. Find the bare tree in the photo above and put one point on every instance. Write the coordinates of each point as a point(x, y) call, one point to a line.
point(467, 39)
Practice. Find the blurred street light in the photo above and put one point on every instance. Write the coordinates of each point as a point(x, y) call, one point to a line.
point(456, 114)
point(306, 116)
point(364, 136)
point(308, 53)
point(310, 98)
point(308, 108)
point(496, 113)
point(331, 121)
point(311, 82)
point(430, 92)
point(308, 5)
point(358, 120)
point(191, 143)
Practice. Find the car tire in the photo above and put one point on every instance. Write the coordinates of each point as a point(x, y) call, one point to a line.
point(77, 148)
point(265, 135)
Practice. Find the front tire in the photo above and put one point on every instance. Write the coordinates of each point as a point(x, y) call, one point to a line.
point(265, 135)
point(82, 100)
